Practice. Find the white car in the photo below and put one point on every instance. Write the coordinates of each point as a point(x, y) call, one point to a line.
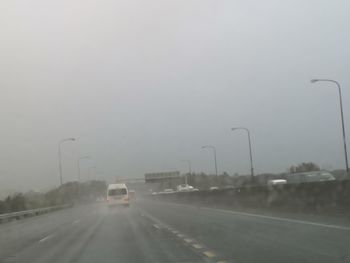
point(276, 182)
point(117, 195)
point(184, 188)
point(167, 191)
point(214, 188)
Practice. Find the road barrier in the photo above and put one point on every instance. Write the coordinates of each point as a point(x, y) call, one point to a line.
point(296, 197)
point(29, 213)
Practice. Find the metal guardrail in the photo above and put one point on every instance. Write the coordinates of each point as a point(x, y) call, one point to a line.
point(29, 213)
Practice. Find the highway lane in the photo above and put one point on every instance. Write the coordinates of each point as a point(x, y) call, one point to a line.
point(92, 233)
point(153, 231)
point(248, 237)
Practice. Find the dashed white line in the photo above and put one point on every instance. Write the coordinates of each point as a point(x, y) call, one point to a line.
point(188, 240)
point(156, 226)
point(209, 254)
point(197, 246)
point(76, 221)
point(45, 238)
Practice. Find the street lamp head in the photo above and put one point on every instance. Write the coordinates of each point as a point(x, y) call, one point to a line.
point(67, 140)
point(240, 128)
point(314, 80)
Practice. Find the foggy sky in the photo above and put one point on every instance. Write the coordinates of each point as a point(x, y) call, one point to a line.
point(144, 84)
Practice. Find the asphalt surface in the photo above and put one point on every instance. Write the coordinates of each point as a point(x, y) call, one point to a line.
point(153, 231)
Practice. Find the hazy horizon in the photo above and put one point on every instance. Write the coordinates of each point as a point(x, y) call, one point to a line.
point(144, 85)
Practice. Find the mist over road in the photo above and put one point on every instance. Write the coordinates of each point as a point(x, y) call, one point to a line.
point(153, 231)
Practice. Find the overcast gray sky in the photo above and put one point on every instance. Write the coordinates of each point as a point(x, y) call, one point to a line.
point(144, 84)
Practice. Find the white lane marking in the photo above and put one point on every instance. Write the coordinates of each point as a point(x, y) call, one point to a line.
point(198, 246)
point(209, 254)
point(156, 226)
point(76, 221)
point(283, 219)
point(188, 240)
point(45, 238)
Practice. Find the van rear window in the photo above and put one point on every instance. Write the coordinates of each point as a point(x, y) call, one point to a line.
point(114, 192)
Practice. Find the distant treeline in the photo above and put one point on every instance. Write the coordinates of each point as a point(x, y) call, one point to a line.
point(68, 193)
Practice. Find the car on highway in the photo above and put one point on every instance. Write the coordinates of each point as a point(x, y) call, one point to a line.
point(167, 191)
point(117, 195)
point(276, 182)
point(309, 177)
point(184, 188)
point(176, 131)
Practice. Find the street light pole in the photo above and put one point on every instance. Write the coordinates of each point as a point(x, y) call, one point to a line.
point(214, 151)
point(60, 157)
point(342, 119)
point(79, 159)
point(189, 170)
point(250, 150)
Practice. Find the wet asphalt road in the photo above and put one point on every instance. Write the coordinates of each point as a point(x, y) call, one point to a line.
point(153, 231)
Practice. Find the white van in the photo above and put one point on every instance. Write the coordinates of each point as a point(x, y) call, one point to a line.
point(117, 194)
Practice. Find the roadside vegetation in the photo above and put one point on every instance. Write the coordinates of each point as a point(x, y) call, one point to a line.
point(68, 193)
